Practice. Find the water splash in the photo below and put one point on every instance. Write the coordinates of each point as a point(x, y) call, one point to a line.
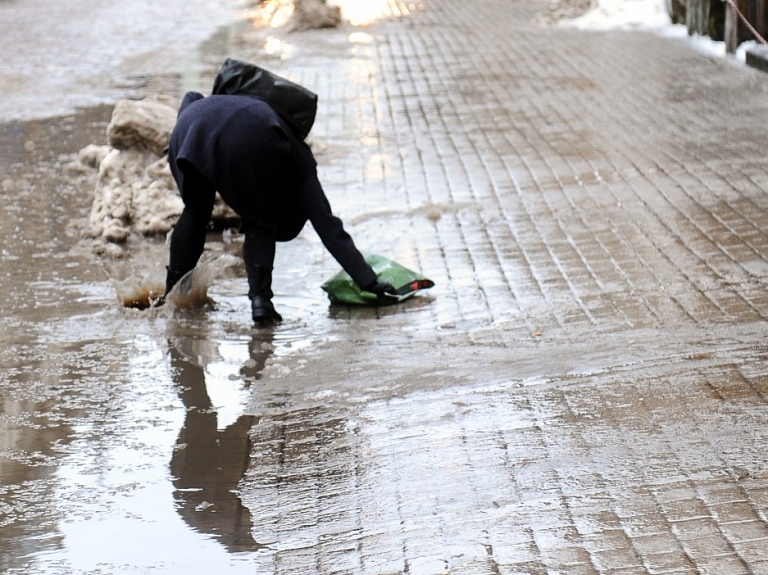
point(191, 292)
point(140, 291)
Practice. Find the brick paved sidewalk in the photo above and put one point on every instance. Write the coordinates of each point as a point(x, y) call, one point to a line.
point(585, 389)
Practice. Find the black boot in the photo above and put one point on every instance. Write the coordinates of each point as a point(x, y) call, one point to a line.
point(260, 294)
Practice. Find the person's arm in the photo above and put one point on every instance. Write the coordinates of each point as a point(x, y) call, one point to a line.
point(332, 233)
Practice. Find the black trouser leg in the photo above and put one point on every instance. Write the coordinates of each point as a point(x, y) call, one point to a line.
point(187, 243)
point(188, 236)
point(260, 293)
point(259, 255)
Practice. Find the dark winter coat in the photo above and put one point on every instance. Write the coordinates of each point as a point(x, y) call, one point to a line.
point(240, 147)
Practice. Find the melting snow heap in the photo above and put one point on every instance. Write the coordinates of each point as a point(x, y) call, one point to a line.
point(135, 191)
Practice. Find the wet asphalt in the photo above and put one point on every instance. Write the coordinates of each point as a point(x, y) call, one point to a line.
point(583, 392)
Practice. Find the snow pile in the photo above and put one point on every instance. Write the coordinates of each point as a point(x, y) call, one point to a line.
point(311, 14)
point(145, 124)
point(135, 191)
point(608, 14)
point(560, 11)
point(646, 14)
point(296, 14)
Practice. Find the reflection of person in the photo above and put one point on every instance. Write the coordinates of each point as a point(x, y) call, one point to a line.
point(240, 147)
point(209, 463)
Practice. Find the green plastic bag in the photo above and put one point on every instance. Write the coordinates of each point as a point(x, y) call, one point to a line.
point(341, 289)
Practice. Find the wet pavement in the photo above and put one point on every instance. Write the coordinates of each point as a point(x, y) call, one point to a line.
point(583, 392)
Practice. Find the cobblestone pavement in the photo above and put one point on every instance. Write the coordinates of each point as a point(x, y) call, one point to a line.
point(584, 390)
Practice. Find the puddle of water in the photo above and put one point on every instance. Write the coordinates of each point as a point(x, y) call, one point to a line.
point(124, 435)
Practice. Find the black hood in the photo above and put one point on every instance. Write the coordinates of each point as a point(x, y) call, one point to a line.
point(189, 97)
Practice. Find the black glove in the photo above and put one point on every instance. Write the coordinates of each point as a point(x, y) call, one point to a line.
point(384, 291)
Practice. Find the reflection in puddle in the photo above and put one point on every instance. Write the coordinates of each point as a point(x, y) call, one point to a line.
point(212, 451)
point(143, 455)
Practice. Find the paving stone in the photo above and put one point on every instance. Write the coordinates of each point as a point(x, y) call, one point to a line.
point(584, 391)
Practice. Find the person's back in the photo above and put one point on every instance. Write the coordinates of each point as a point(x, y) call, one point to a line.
point(240, 147)
point(243, 148)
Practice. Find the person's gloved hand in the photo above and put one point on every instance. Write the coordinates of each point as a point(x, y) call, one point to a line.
point(385, 291)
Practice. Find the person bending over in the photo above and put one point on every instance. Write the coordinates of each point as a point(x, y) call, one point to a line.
point(239, 146)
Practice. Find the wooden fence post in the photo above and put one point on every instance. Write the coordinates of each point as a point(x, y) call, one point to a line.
point(696, 17)
point(760, 16)
point(731, 29)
